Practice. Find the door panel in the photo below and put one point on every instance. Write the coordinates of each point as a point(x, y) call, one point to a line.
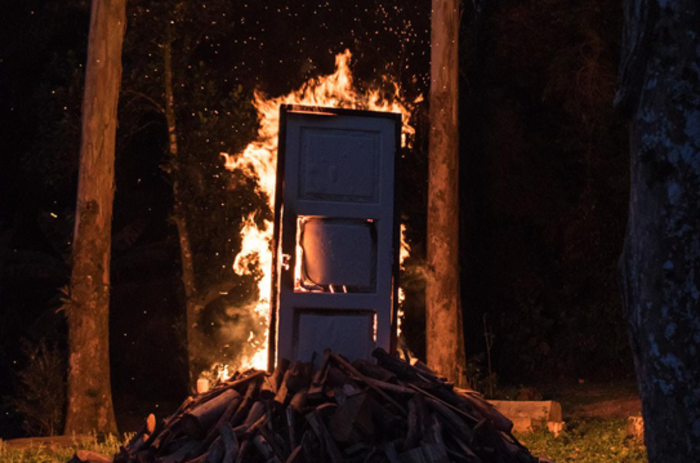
point(336, 233)
point(350, 332)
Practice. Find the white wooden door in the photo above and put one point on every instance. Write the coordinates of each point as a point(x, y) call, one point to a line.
point(338, 234)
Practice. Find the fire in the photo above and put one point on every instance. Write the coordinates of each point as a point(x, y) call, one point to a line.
point(404, 254)
point(259, 161)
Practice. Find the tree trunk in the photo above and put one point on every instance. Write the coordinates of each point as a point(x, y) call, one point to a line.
point(179, 215)
point(660, 265)
point(445, 336)
point(89, 389)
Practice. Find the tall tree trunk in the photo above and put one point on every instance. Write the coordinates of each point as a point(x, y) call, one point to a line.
point(179, 216)
point(445, 335)
point(660, 265)
point(89, 389)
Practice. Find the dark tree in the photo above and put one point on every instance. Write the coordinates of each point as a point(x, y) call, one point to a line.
point(660, 265)
point(89, 387)
point(177, 83)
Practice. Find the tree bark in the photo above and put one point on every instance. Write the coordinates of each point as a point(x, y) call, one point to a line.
point(660, 264)
point(89, 389)
point(179, 217)
point(445, 336)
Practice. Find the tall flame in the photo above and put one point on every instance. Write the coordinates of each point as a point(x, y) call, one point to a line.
point(404, 253)
point(259, 161)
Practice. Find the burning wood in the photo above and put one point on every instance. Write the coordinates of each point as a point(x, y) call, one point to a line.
point(347, 412)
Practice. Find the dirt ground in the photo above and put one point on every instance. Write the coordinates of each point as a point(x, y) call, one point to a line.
point(596, 400)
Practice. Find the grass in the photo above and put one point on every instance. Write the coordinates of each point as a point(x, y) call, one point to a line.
point(44, 454)
point(587, 441)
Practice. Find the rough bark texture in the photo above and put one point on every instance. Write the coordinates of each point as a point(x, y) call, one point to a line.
point(89, 389)
point(445, 336)
point(660, 265)
point(179, 216)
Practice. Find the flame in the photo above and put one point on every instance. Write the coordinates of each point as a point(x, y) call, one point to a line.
point(404, 253)
point(259, 161)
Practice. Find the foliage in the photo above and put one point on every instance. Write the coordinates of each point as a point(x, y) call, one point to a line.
point(42, 389)
point(479, 378)
point(587, 441)
point(108, 445)
point(545, 181)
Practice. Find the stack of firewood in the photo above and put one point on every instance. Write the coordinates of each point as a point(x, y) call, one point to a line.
point(390, 411)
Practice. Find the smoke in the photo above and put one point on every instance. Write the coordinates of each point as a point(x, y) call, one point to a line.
point(231, 331)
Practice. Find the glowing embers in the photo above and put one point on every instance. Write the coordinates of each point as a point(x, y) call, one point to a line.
point(335, 255)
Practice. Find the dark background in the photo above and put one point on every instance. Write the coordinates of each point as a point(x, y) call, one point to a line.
point(544, 174)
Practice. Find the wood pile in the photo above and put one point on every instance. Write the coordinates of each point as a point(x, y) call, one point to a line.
point(360, 412)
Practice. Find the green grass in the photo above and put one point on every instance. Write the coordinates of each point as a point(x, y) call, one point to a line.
point(587, 441)
point(42, 454)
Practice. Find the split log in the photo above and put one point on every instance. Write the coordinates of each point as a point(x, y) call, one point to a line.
point(457, 410)
point(417, 415)
point(427, 453)
point(265, 449)
point(357, 418)
point(391, 454)
point(312, 447)
point(457, 426)
point(297, 455)
point(243, 451)
point(401, 369)
point(316, 423)
point(299, 376)
point(319, 380)
point(257, 411)
point(342, 386)
point(298, 402)
point(296, 406)
point(272, 383)
point(214, 431)
point(216, 452)
point(199, 459)
point(352, 421)
point(485, 409)
point(230, 443)
point(247, 431)
point(225, 386)
point(184, 453)
point(142, 436)
point(274, 442)
point(199, 420)
point(245, 405)
point(278, 375)
point(396, 389)
point(345, 364)
point(374, 371)
point(267, 389)
point(290, 416)
point(283, 391)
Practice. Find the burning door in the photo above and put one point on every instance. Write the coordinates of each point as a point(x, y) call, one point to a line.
point(336, 233)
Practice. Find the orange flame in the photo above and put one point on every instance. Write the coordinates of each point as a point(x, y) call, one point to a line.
point(259, 160)
point(404, 254)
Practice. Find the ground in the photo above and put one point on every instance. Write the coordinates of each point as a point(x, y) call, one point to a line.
point(596, 416)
